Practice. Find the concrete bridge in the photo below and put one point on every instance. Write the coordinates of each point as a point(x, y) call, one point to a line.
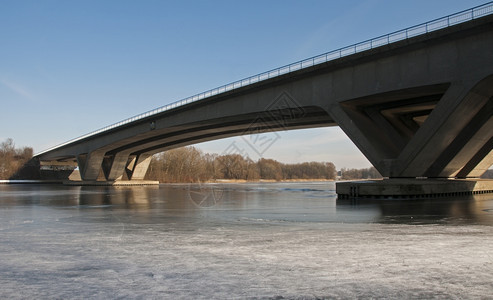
point(418, 103)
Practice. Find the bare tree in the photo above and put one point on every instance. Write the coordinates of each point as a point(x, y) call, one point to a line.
point(12, 159)
point(190, 165)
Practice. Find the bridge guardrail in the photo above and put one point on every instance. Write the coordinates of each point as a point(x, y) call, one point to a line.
point(424, 28)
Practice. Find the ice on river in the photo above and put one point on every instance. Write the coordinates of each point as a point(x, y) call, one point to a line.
point(97, 251)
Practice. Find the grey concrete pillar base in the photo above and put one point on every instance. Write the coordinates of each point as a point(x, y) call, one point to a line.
point(391, 189)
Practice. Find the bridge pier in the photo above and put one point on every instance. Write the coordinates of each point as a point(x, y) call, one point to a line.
point(96, 169)
point(423, 140)
point(137, 167)
point(114, 166)
point(90, 165)
point(405, 189)
point(432, 131)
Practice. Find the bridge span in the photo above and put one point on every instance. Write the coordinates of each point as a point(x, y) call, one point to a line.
point(418, 103)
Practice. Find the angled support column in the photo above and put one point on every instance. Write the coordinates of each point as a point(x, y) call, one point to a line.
point(114, 166)
point(371, 142)
point(482, 167)
point(90, 165)
point(439, 131)
point(452, 134)
point(480, 162)
point(381, 125)
point(137, 167)
point(468, 148)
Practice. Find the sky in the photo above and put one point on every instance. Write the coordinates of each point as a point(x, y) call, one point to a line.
point(68, 68)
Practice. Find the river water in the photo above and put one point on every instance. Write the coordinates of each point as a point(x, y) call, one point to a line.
point(240, 241)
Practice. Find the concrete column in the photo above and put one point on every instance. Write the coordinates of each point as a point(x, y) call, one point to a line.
point(90, 165)
point(114, 166)
point(371, 142)
point(483, 165)
point(444, 133)
point(453, 126)
point(480, 162)
point(130, 166)
point(140, 166)
point(466, 146)
point(381, 125)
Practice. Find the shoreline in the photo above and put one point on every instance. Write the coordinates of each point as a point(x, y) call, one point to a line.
point(252, 181)
point(7, 181)
point(29, 181)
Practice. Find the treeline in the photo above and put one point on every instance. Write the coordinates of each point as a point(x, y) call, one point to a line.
point(13, 159)
point(189, 164)
point(350, 174)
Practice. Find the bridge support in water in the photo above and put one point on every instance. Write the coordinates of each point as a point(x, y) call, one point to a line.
point(442, 136)
point(397, 189)
point(122, 169)
point(439, 131)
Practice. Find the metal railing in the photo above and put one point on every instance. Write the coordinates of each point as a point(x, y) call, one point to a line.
point(450, 20)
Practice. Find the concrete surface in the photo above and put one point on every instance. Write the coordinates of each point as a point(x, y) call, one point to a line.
point(412, 188)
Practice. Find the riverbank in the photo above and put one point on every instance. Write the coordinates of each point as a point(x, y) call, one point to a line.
point(264, 180)
point(129, 182)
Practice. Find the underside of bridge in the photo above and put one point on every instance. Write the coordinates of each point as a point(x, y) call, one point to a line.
point(130, 158)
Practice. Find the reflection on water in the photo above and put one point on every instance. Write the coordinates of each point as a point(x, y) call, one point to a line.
point(247, 202)
point(458, 210)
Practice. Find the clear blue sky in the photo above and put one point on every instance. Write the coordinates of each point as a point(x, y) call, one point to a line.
point(70, 67)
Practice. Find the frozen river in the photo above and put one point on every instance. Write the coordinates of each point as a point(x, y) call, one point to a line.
point(239, 241)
